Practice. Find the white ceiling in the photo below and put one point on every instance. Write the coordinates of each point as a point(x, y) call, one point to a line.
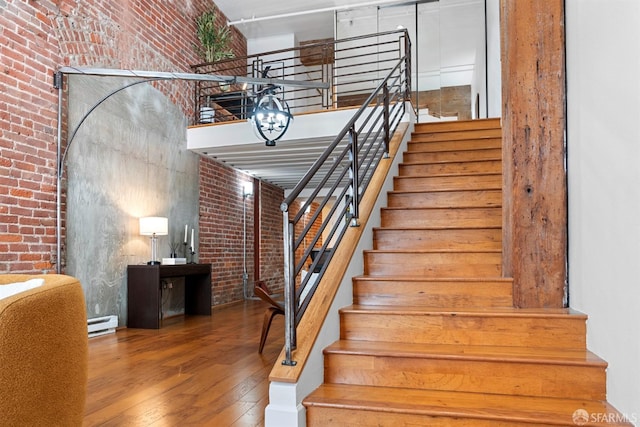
point(307, 19)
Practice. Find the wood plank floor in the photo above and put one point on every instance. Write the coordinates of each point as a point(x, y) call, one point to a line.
point(195, 371)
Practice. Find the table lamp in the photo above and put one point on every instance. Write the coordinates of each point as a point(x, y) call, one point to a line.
point(154, 226)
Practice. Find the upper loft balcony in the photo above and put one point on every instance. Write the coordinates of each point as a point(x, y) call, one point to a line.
point(350, 69)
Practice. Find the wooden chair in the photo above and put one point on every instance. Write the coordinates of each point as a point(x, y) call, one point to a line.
point(262, 292)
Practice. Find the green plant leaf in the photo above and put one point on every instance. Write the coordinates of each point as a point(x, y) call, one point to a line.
point(214, 40)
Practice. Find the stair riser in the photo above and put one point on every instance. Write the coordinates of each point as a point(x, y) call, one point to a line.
point(486, 167)
point(468, 374)
point(461, 239)
point(457, 135)
point(451, 156)
point(353, 417)
point(446, 199)
point(433, 264)
point(457, 125)
point(471, 217)
point(448, 183)
point(437, 328)
point(461, 294)
point(433, 145)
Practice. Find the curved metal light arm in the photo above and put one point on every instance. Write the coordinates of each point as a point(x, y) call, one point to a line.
point(86, 115)
point(146, 76)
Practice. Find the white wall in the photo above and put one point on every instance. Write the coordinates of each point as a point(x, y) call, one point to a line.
point(603, 66)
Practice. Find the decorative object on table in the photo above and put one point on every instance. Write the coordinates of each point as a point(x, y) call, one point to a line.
point(184, 243)
point(154, 226)
point(214, 40)
point(174, 261)
point(192, 248)
point(173, 246)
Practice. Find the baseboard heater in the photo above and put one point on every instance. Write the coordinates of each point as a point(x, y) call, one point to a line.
point(102, 325)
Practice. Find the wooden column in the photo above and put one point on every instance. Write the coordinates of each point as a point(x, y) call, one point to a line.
point(533, 117)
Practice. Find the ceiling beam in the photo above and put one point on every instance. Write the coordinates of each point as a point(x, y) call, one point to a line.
point(161, 75)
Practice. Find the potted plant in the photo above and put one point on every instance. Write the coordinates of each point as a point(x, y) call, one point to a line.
point(213, 40)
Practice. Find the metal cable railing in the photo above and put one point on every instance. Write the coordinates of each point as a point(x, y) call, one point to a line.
point(326, 201)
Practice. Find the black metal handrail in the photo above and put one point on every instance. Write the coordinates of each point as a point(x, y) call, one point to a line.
point(326, 201)
point(351, 67)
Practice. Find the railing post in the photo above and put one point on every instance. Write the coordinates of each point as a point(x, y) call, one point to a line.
point(289, 289)
point(355, 184)
point(407, 68)
point(386, 114)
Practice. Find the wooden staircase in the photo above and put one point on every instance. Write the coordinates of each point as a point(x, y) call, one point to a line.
point(432, 338)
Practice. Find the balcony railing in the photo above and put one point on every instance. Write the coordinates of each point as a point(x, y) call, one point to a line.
point(352, 68)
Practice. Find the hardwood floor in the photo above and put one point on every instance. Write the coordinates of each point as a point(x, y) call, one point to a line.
point(195, 371)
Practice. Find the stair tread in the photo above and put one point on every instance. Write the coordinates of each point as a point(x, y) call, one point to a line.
point(454, 160)
point(464, 190)
point(440, 162)
point(444, 145)
point(515, 354)
point(448, 175)
point(455, 135)
point(439, 227)
point(472, 311)
point(433, 251)
point(445, 126)
point(435, 208)
point(496, 407)
point(433, 279)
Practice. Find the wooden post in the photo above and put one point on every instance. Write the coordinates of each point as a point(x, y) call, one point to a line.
point(533, 117)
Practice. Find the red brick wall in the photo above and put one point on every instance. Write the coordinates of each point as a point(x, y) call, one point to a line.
point(28, 111)
point(36, 38)
point(313, 230)
point(271, 245)
point(221, 231)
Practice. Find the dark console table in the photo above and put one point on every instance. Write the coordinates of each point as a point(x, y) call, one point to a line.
point(144, 292)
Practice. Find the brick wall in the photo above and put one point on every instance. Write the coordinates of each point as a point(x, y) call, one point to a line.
point(221, 231)
point(28, 111)
point(308, 239)
point(271, 245)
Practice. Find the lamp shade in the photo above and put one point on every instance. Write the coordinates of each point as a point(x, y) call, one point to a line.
point(150, 225)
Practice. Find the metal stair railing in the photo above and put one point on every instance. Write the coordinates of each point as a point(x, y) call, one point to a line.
point(319, 210)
